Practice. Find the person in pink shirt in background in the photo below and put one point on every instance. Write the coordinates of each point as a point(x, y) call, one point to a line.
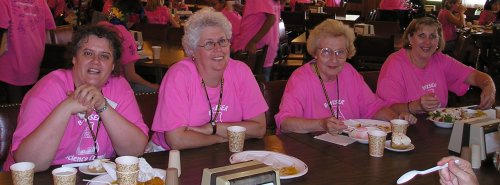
point(490, 16)
point(226, 7)
point(107, 6)
point(82, 113)
point(330, 3)
point(394, 10)
point(293, 3)
point(203, 94)
point(417, 78)
point(451, 16)
point(260, 27)
point(156, 13)
point(25, 23)
point(327, 90)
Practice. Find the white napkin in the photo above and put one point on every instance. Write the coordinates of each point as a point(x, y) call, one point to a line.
point(146, 172)
point(110, 170)
point(338, 139)
point(74, 165)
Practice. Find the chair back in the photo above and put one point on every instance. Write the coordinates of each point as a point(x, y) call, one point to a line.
point(62, 35)
point(8, 124)
point(273, 91)
point(317, 18)
point(372, 16)
point(371, 78)
point(386, 28)
point(294, 21)
point(175, 35)
point(152, 32)
point(302, 7)
point(53, 58)
point(284, 47)
point(255, 62)
point(371, 52)
point(337, 11)
point(147, 104)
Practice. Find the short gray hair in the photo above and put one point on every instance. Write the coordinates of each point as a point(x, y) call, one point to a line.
point(331, 28)
point(206, 17)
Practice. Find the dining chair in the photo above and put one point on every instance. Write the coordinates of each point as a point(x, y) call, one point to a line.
point(152, 32)
point(62, 35)
point(273, 91)
point(371, 78)
point(295, 22)
point(147, 105)
point(255, 62)
point(174, 36)
point(371, 52)
point(317, 18)
point(8, 123)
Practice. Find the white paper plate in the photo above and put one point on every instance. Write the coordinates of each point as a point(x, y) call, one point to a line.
point(276, 160)
point(107, 178)
point(85, 170)
point(368, 123)
point(443, 124)
point(388, 147)
point(362, 141)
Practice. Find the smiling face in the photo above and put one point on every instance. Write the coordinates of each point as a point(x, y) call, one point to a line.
point(214, 59)
point(424, 42)
point(330, 66)
point(93, 62)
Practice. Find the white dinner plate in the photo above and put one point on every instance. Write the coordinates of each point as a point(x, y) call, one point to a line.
point(85, 170)
point(368, 123)
point(388, 147)
point(276, 160)
point(362, 141)
point(443, 124)
point(107, 178)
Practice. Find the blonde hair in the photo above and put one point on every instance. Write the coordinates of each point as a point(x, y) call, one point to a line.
point(331, 28)
point(417, 24)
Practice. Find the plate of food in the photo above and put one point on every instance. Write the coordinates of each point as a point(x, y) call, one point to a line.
point(370, 124)
point(96, 168)
point(445, 117)
point(360, 134)
point(388, 146)
point(159, 180)
point(288, 166)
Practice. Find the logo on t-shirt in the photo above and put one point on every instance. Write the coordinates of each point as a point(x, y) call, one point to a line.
point(334, 104)
point(218, 117)
point(430, 87)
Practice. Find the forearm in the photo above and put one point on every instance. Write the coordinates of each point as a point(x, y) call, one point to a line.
point(40, 147)
point(127, 139)
point(385, 114)
point(132, 76)
point(268, 23)
point(412, 107)
point(182, 138)
point(253, 129)
point(301, 125)
point(481, 80)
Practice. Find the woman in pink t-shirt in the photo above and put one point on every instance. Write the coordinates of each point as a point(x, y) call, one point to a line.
point(228, 10)
point(451, 16)
point(324, 92)
point(490, 16)
point(417, 78)
point(156, 13)
point(203, 94)
point(83, 113)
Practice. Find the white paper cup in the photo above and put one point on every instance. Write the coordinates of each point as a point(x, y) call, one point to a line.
point(476, 156)
point(127, 178)
point(172, 177)
point(236, 136)
point(174, 161)
point(156, 52)
point(497, 112)
point(127, 164)
point(399, 126)
point(64, 176)
point(376, 142)
point(22, 173)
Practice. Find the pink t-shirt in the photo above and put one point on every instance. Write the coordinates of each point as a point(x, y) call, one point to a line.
point(59, 6)
point(487, 17)
point(107, 6)
point(333, 3)
point(304, 96)
point(129, 48)
point(400, 81)
point(253, 18)
point(26, 22)
point(159, 16)
point(449, 29)
point(76, 144)
point(392, 5)
point(235, 20)
point(182, 100)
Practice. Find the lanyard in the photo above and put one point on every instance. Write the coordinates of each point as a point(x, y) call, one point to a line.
point(212, 116)
point(326, 94)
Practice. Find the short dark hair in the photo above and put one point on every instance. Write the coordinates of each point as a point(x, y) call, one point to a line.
point(101, 31)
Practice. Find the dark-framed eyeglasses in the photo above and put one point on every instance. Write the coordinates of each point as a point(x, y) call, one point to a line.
point(209, 45)
point(329, 53)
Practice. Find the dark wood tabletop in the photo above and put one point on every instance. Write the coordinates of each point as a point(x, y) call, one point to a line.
point(327, 163)
point(170, 54)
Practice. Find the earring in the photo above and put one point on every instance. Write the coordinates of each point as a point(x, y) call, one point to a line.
point(194, 59)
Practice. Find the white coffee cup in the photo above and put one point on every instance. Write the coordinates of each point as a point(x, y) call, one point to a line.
point(174, 160)
point(156, 52)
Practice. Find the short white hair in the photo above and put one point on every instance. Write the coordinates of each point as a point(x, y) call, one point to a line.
point(206, 17)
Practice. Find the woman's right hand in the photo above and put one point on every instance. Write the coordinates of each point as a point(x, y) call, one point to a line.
point(333, 126)
point(429, 102)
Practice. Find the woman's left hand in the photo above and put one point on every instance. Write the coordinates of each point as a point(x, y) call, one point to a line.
point(487, 97)
point(204, 129)
point(408, 117)
point(90, 96)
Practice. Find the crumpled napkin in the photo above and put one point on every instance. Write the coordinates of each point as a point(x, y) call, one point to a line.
point(338, 139)
point(146, 172)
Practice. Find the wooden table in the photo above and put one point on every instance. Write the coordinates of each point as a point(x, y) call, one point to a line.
point(170, 54)
point(328, 163)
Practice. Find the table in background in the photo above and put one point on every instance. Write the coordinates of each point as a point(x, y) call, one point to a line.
point(328, 163)
point(170, 54)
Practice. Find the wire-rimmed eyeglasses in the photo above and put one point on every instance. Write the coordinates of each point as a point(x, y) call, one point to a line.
point(329, 53)
point(209, 45)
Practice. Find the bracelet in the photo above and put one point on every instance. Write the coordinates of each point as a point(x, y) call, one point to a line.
point(99, 111)
point(214, 127)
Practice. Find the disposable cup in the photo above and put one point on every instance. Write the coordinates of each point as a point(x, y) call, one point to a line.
point(64, 176)
point(127, 178)
point(22, 173)
point(236, 136)
point(399, 126)
point(174, 161)
point(376, 142)
point(476, 156)
point(156, 52)
point(127, 164)
point(497, 112)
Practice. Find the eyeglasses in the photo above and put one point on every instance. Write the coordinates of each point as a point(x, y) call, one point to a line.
point(329, 53)
point(209, 45)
